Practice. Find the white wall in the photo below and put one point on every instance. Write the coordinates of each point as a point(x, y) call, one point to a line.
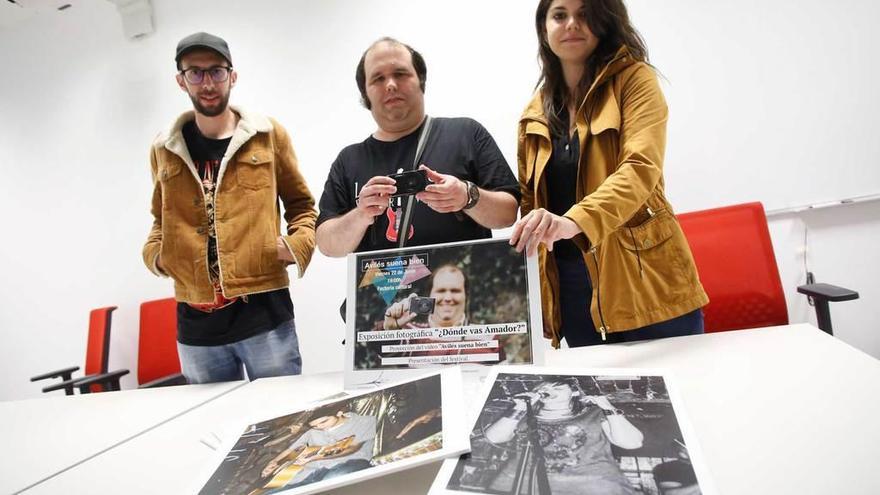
point(840, 243)
point(79, 105)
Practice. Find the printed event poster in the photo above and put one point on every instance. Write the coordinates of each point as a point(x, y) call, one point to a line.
point(544, 431)
point(343, 441)
point(469, 303)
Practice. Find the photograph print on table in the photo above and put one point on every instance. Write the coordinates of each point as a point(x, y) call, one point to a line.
point(342, 441)
point(568, 432)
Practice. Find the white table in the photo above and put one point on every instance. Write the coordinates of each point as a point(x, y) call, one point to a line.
point(778, 410)
point(173, 455)
point(42, 437)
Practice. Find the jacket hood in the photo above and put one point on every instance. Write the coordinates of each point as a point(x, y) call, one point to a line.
point(534, 111)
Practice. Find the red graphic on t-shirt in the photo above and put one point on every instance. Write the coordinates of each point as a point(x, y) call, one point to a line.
point(394, 225)
point(208, 172)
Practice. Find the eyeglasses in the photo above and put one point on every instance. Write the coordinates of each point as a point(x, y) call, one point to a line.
point(195, 75)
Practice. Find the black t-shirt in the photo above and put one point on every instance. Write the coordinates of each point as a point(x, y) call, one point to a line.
point(456, 146)
point(562, 174)
point(245, 316)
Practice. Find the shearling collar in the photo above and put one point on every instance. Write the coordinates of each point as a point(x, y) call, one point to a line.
point(248, 124)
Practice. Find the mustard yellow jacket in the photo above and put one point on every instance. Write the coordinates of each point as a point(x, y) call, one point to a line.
point(259, 168)
point(637, 256)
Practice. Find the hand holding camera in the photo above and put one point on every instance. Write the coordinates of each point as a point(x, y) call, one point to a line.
point(402, 312)
point(410, 182)
point(373, 198)
point(447, 194)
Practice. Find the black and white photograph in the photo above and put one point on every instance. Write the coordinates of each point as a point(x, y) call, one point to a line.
point(343, 441)
point(543, 433)
point(472, 303)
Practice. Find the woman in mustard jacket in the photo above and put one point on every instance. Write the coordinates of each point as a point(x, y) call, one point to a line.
point(615, 264)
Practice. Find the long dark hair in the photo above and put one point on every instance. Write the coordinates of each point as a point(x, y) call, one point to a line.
point(609, 21)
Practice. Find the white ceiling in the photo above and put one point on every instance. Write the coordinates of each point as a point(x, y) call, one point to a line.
point(12, 15)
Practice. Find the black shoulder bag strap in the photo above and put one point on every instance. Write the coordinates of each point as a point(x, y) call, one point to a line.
point(406, 220)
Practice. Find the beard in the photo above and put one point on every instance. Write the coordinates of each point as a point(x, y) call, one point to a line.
point(212, 111)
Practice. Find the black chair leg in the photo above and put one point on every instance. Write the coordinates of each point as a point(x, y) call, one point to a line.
point(823, 315)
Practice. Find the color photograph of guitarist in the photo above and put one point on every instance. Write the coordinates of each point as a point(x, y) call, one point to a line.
point(336, 443)
point(338, 439)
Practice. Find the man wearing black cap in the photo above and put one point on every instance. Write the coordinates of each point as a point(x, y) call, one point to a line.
point(218, 174)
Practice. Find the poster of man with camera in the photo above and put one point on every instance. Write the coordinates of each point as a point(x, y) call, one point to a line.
point(461, 303)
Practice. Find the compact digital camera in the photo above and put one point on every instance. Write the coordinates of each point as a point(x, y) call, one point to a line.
point(410, 182)
point(421, 305)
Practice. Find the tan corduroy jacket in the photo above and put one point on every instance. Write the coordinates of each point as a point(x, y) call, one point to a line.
point(638, 258)
point(259, 168)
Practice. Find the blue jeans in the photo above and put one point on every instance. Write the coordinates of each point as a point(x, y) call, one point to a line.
point(578, 329)
point(271, 353)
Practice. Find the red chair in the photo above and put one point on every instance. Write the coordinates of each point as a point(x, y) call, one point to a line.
point(734, 256)
point(97, 357)
point(158, 362)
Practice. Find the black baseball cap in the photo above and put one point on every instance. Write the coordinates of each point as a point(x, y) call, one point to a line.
point(202, 40)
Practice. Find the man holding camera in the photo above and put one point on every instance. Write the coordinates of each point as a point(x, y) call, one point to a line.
point(470, 188)
point(446, 306)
